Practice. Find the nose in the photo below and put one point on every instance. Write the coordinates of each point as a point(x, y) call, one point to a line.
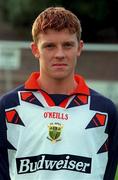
point(60, 54)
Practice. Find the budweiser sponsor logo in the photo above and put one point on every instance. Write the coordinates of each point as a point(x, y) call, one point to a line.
point(53, 163)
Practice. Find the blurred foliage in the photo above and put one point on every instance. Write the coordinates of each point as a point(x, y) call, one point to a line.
point(22, 12)
point(95, 16)
point(93, 9)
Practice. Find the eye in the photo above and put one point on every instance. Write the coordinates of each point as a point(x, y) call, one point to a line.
point(49, 46)
point(68, 45)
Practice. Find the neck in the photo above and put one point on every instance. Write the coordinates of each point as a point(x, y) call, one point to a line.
point(58, 86)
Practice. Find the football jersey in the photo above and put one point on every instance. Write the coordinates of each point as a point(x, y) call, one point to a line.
point(57, 136)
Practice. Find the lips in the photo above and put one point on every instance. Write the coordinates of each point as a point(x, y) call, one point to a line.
point(59, 65)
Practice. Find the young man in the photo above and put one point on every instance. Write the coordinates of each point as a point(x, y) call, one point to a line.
point(54, 126)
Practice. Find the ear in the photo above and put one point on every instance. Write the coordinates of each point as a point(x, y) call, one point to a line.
point(35, 50)
point(80, 47)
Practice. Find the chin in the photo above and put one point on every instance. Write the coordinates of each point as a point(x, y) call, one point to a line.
point(60, 76)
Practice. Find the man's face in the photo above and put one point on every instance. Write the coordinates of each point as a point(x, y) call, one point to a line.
point(57, 52)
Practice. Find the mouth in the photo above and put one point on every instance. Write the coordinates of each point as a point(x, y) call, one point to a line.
point(59, 65)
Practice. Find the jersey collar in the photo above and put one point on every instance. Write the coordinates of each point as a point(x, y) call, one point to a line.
point(32, 84)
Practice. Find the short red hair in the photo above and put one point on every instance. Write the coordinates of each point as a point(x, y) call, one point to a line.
point(56, 18)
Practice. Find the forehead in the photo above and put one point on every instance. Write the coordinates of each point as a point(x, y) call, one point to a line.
point(53, 36)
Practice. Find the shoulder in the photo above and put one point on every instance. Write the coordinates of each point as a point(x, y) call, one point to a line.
point(101, 103)
point(11, 99)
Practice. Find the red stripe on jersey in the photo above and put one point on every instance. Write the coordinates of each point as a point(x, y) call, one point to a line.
point(83, 99)
point(101, 118)
point(48, 99)
point(25, 95)
point(76, 102)
point(94, 120)
point(10, 115)
point(64, 102)
point(106, 146)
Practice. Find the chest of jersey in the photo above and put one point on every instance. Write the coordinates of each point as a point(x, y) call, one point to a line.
point(56, 138)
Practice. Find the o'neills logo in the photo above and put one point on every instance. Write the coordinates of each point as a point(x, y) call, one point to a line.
point(53, 163)
point(56, 115)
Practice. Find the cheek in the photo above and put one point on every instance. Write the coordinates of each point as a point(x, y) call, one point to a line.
point(45, 55)
point(73, 56)
point(44, 61)
point(74, 59)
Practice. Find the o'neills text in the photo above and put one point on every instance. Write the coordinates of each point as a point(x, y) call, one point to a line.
point(56, 115)
point(53, 163)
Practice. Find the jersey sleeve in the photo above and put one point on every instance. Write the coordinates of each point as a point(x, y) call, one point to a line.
point(4, 165)
point(112, 130)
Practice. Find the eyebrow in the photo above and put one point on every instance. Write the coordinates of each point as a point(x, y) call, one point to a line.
point(51, 42)
point(69, 42)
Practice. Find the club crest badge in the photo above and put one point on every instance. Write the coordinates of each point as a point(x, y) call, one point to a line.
point(54, 130)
